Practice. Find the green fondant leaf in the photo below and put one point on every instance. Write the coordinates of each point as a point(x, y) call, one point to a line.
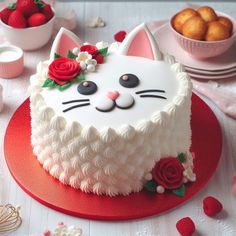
point(39, 3)
point(151, 185)
point(80, 77)
point(56, 56)
point(62, 87)
point(179, 191)
point(48, 83)
point(103, 51)
point(71, 55)
point(181, 157)
point(12, 6)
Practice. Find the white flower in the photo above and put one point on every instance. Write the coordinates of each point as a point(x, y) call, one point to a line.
point(83, 56)
point(83, 65)
point(75, 51)
point(188, 173)
point(90, 68)
point(101, 45)
point(113, 47)
point(91, 62)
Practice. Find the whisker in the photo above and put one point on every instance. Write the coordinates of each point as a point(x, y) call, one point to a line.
point(150, 91)
point(152, 96)
point(73, 101)
point(73, 107)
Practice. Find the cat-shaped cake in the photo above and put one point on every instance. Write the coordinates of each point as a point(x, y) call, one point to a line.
point(111, 122)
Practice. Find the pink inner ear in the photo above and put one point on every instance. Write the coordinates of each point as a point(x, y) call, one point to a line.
point(66, 43)
point(141, 46)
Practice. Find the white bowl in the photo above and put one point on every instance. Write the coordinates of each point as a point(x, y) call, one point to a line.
point(30, 38)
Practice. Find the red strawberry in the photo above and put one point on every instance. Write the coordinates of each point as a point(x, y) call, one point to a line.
point(186, 226)
point(17, 20)
point(36, 19)
point(27, 7)
point(47, 11)
point(211, 206)
point(120, 36)
point(4, 14)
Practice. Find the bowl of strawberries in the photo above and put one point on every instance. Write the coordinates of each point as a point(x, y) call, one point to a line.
point(27, 24)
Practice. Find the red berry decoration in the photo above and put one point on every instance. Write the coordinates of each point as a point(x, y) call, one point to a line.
point(120, 36)
point(17, 20)
point(27, 7)
point(99, 58)
point(211, 206)
point(186, 226)
point(5, 13)
point(36, 19)
point(47, 11)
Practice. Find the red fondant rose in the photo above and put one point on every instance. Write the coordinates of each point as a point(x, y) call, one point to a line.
point(62, 69)
point(168, 172)
point(91, 49)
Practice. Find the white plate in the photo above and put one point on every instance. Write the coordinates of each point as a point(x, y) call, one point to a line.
point(206, 72)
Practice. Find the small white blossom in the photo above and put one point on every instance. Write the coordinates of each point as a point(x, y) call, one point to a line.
point(90, 68)
point(83, 56)
point(148, 176)
point(188, 173)
point(83, 65)
point(91, 62)
point(75, 51)
point(113, 47)
point(101, 45)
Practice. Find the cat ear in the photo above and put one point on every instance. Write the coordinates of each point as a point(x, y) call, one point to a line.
point(64, 41)
point(140, 43)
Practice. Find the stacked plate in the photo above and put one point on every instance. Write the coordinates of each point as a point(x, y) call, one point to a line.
point(221, 67)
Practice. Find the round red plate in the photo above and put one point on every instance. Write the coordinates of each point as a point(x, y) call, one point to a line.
point(34, 180)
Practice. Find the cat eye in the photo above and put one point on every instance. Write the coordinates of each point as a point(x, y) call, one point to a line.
point(129, 80)
point(87, 88)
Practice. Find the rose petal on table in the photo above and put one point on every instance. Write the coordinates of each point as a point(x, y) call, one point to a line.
point(186, 226)
point(212, 206)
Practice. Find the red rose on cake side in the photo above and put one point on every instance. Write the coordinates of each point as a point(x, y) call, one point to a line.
point(63, 69)
point(171, 173)
point(168, 172)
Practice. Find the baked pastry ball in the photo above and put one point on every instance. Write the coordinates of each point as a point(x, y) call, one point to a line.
point(182, 17)
point(195, 28)
point(216, 31)
point(207, 13)
point(226, 22)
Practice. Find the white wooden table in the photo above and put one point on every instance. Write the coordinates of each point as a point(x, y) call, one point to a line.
point(37, 218)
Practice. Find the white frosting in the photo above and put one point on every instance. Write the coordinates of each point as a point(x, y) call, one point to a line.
point(114, 152)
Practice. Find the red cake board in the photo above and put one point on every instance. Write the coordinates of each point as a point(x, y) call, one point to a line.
point(34, 180)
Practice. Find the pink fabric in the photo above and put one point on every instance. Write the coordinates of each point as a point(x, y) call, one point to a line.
point(141, 50)
point(223, 98)
point(234, 186)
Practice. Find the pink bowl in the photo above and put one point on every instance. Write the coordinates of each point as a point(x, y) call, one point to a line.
point(205, 49)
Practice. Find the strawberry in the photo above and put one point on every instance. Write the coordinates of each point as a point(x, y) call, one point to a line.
point(27, 7)
point(4, 14)
point(36, 19)
point(47, 11)
point(17, 20)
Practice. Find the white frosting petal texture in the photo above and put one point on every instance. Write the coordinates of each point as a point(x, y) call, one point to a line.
point(110, 161)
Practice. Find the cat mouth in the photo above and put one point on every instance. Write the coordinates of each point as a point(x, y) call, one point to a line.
point(114, 100)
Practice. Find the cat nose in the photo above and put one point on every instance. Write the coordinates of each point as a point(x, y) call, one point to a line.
point(113, 95)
